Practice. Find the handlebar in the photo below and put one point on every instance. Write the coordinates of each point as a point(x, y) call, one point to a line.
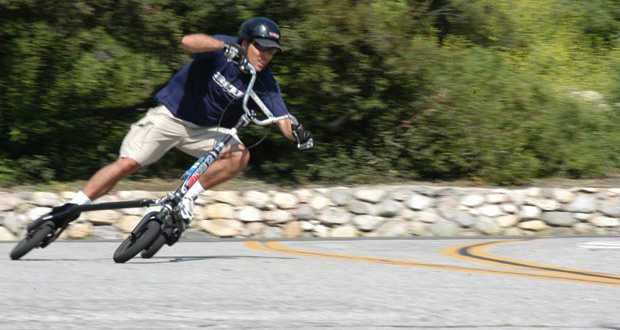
point(249, 93)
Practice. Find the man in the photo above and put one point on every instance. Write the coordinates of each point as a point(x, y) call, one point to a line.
point(198, 106)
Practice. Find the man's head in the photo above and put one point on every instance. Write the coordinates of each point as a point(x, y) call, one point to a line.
point(260, 37)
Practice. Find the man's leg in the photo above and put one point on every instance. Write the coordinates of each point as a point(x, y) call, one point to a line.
point(107, 177)
point(230, 163)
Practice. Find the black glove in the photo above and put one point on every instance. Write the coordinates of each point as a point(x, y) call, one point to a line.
point(235, 53)
point(303, 138)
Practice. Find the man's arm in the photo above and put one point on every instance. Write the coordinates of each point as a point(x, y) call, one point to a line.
point(201, 43)
point(285, 127)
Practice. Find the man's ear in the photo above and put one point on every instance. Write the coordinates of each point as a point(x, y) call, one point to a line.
point(245, 44)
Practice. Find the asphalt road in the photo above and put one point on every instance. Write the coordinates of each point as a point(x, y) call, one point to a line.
point(473, 283)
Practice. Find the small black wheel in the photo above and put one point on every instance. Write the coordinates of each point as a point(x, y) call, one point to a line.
point(155, 247)
point(136, 243)
point(31, 241)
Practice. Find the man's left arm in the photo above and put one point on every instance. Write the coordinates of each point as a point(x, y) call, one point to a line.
point(303, 138)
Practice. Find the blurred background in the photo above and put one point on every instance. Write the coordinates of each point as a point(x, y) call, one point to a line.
point(497, 92)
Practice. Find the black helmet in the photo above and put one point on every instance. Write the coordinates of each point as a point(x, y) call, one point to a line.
point(262, 30)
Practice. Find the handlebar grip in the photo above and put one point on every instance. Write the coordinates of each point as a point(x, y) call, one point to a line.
point(306, 145)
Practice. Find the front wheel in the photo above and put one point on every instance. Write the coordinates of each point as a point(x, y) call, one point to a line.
point(151, 250)
point(44, 231)
point(136, 243)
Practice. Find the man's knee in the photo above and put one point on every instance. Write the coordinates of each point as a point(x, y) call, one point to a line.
point(239, 155)
point(127, 165)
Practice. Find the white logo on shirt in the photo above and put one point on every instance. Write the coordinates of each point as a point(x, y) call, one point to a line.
point(227, 86)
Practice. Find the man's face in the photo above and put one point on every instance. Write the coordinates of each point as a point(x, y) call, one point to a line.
point(258, 56)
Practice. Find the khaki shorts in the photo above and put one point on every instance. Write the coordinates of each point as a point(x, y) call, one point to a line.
point(159, 131)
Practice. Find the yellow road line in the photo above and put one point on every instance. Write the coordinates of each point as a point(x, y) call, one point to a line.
point(276, 247)
point(477, 252)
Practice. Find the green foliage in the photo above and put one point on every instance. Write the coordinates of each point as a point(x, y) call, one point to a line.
point(393, 90)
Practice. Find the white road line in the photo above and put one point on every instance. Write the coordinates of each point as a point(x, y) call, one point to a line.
point(601, 245)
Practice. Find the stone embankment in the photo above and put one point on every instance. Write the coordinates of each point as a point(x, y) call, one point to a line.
point(390, 211)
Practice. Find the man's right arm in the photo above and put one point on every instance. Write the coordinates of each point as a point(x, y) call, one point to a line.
point(201, 43)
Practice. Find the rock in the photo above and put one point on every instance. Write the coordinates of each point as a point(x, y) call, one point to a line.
point(512, 231)
point(255, 228)
point(602, 221)
point(304, 212)
point(417, 229)
point(320, 231)
point(79, 230)
point(488, 226)
point(582, 216)
point(333, 215)
point(272, 232)
point(340, 196)
point(103, 217)
point(389, 208)
point(9, 202)
point(393, 229)
point(558, 219)
point(543, 203)
point(535, 225)
point(127, 223)
point(400, 194)
point(584, 228)
point(228, 197)
point(359, 207)
point(496, 198)
point(491, 211)
point(45, 199)
point(419, 202)
point(219, 211)
point(610, 208)
point(249, 214)
point(277, 216)
point(304, 195)
point(509, 208)
point(221, 227)
point(366, 222)
point(7, 235)
point(256, 199)
point(473, 200)
point(292, 229)
point(463, 218)
point(36, 212)
point(320, 202)
point(506, 221)
point(13, 221)
point(285, 201)
point(529, 212)
point(516, 196)
point(370, 195)
point(582, 204)
point(128, 195)
point(105, 232)
point(444, 228)
point(428, 216)
point(563, 196)
point(344, 231)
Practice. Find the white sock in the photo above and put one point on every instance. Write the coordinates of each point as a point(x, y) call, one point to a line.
point(195, 190)
point(80, 198)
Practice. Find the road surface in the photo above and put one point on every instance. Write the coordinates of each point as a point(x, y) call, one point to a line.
point(417, 283)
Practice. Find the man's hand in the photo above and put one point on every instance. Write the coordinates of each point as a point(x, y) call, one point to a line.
point(303, 138)
point(235, 53)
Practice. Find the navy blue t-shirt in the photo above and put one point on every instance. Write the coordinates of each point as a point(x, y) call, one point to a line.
point(209, 90)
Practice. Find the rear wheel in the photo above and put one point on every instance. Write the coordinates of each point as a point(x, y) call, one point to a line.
point(158, 244)
point(34, 240)
point(136, 243)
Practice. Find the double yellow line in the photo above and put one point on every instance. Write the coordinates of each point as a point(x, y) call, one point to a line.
point(471, 252)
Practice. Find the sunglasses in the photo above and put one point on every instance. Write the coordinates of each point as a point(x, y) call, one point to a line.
point(269, 50)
